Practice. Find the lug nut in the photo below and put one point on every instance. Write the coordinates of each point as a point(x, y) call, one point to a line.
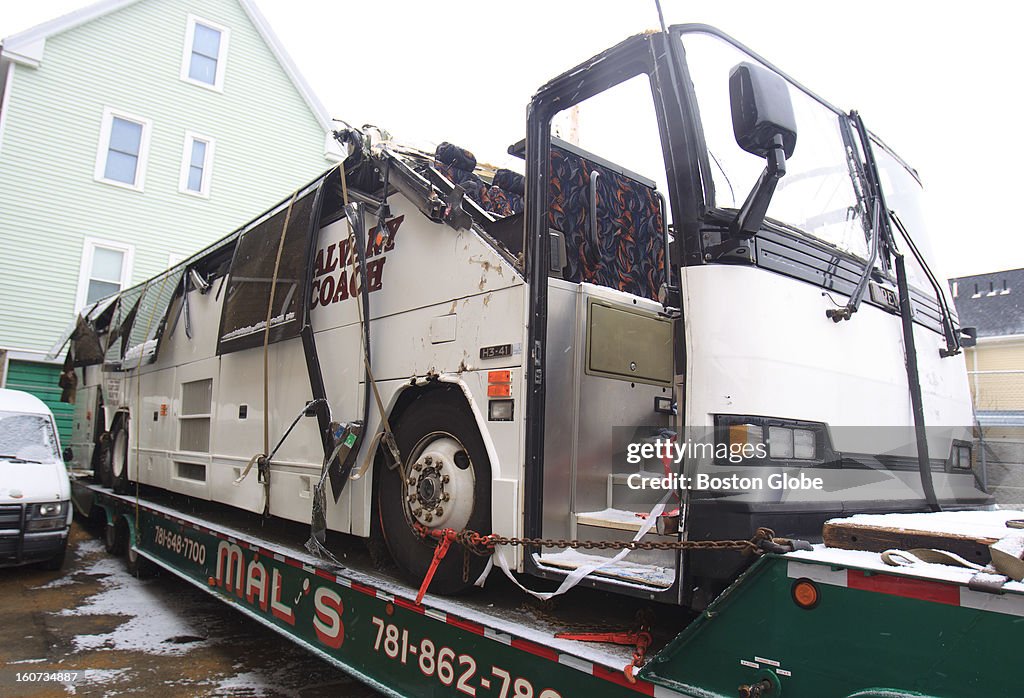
point(412, 498)
point(429, 517)
point(428, 460)
point(445, 497)
point(412, 481)
point(439, 511)
point(417, 466)
point(445, 478)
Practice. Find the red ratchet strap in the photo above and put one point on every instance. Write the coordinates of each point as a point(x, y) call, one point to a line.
point(446, 537)
point(641, 640)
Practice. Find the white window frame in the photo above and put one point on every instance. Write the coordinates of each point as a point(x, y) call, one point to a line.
point(99, 173)
point(85, 269)
point(186, 52)
point(186, 161)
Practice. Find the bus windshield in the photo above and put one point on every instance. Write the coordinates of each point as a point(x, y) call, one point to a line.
point(818, 195)
point(903, 194)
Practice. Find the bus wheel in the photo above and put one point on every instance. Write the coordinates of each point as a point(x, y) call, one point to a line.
point(104, 467)
point(447, 485)
point(119, 459)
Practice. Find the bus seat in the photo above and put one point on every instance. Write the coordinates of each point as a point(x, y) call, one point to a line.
point(630, 226)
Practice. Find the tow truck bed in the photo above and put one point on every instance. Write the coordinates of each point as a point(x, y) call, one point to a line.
point(493, 643)
point(855, 628)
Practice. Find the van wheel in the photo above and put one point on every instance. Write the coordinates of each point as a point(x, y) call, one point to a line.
point(119, 459)
point(447, 485)
point(57, 561)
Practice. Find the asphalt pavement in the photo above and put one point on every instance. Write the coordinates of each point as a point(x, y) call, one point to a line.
point(92, 629)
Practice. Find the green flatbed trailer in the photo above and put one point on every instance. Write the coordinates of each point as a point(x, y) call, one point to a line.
point(871, 632)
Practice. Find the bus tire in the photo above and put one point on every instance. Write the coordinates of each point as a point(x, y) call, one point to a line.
point(119, 458)
point(104, 467)
point(437, 439)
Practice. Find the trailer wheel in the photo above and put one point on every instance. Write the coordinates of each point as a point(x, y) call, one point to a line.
point(119, 458)
point(447, 485)
point(115, 537)
point(139, 566)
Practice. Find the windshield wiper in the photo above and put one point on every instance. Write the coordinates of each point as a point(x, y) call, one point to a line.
point(857, 175)
point(16, 459)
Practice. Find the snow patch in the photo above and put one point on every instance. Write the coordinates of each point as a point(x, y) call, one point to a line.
point(152, 624)
point(88, 547)
point(58, 582)
point(252, 684)
point(969, 524)
point(872, 562)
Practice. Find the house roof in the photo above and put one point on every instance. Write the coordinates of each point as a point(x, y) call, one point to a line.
point(992, 302)
point(27, 47)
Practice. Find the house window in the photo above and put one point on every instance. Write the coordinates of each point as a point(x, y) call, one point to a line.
point(206, 46)
point(106, 269)
point(196, 161)
point(123, 150)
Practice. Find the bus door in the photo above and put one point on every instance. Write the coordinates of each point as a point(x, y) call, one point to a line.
point(610, 368)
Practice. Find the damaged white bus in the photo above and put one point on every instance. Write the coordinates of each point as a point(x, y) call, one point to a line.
point(727, 261)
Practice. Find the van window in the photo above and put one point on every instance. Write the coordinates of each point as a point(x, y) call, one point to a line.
point(27, 437)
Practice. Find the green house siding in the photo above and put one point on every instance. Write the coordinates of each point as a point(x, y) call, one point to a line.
point(41, 380)
point(267, 142)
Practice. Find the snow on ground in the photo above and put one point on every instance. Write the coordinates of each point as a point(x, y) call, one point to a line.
point(153, 625)
point(253, 684)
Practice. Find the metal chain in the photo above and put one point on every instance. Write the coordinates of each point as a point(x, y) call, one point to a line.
point(484, 545)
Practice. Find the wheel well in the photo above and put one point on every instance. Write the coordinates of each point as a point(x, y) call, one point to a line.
point(447, 392)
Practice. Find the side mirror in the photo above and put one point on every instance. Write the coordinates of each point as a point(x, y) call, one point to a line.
point(764, 125)
point(761, 110)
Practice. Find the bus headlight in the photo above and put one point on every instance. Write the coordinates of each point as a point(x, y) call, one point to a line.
point(783, 441)
point(789, 443)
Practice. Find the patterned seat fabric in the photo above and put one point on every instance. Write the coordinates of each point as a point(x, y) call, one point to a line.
point(631, 254)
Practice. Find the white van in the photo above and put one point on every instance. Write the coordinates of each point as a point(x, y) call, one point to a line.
point(35, 491)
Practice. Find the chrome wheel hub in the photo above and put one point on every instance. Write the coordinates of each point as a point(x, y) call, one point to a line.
point(439, 493)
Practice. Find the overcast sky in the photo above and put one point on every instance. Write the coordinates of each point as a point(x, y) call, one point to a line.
point(935, 80)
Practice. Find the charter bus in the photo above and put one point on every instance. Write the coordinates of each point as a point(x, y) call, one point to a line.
point(701, 251)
